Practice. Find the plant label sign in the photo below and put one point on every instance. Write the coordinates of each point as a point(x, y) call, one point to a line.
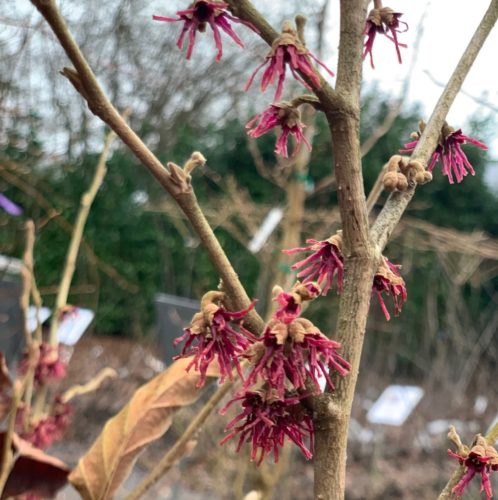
point(32, 319)
point(73, 325)
point(395, 405)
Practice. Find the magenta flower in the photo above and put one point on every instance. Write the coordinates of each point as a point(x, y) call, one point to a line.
point(449, 152)
point(323, 264)
point(198, 16)
point(290, 354)
point(267, 421)
point(385, 21)
point(388, 280)
point(481, 459)
point(290, 303)
point(282, 115)
point(9, 206)
point(50, 366)
point(287, 49)
point(210, 335)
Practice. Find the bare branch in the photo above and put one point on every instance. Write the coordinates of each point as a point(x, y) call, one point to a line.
point(77, 236)
point(85, 81)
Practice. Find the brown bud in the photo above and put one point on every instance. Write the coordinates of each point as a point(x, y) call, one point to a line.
point(393, 163)
point(427, 177)
point(404, 165)
point(420, 178)
point(416, 165)
point(390, 181)
point(402, 184)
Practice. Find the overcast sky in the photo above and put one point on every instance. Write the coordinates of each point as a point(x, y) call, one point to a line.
point(448, 26)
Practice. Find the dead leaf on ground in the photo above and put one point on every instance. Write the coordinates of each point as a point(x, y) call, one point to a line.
point(34, 472)
point(145, 418)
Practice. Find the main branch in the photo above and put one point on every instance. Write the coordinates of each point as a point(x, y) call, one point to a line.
point(333, 410)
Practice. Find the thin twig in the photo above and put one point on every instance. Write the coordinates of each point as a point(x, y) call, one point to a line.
point(29, 289)
point(86, 83)
point(77, 236)
point(7, 455)
point(90, 386)
point(27, 273)
point(376, 191)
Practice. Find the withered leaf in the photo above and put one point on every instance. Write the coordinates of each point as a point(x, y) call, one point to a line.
point(34, 472)
point(146, 417)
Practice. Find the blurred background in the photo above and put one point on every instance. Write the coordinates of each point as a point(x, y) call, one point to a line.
point(137, 244)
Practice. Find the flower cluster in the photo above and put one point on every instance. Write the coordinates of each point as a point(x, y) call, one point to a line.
point(481, 459)
point(291, 353)
point(448, 151)
point(385, 21)
point(198, 16)
point(326, 262)
point(267, 421)
point(50, 428)
point(288, 50)
point(50, 366)
point(211, 335)
point(288, 118)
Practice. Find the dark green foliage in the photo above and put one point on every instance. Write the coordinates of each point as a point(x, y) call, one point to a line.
point(149, 252)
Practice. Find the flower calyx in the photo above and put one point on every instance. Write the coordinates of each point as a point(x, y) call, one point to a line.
point(291, 302)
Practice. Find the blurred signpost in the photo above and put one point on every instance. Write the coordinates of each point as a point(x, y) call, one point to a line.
point(395, 405)
point(43, 314)
point(173, 315)
point(70, 329)
point(264, 232)
point(73, 325)
point(11, 331)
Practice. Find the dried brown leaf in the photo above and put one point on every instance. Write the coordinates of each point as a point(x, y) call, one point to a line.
point(146, 417)
point(34, 472)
